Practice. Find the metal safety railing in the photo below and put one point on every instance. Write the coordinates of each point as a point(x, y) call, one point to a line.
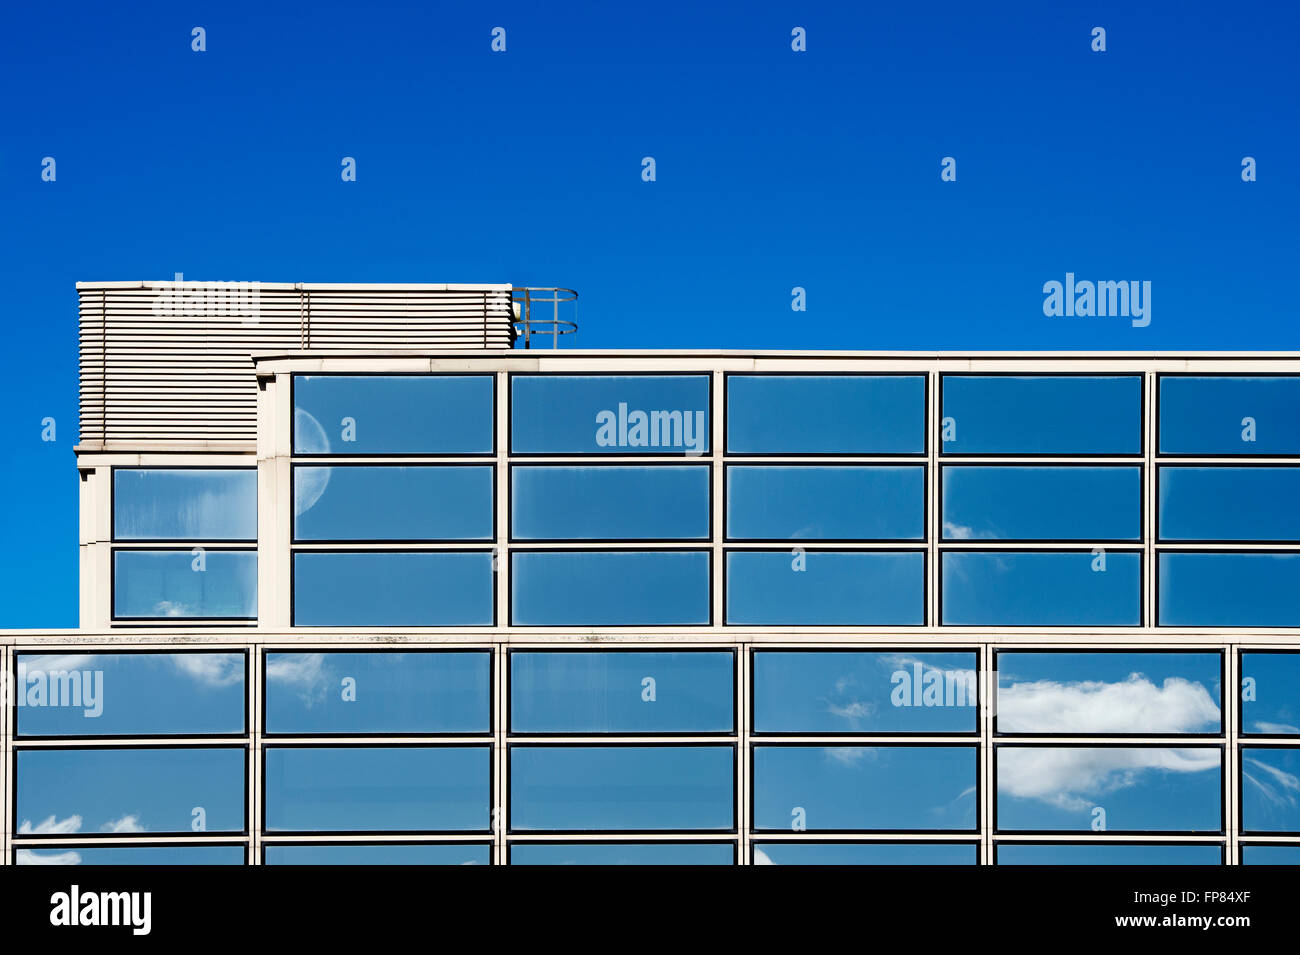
point(530, 322)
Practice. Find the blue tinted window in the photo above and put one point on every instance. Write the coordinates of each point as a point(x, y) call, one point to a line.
point(1109, 693)
point(623, 853)
point(378, 788)
point(392, 503)
point(1011, 853)
point(667, 502)
point(826, 588)
point(1121, 788)
point(1005, 414)
point(426, 589)
point(621, 788)
point(1270, 785)
point(1042, 589)
point(127, 791)
point(1042, 503)
point(132, 855)
point(164, 584)
point(613, 414)
point(851, 691)
point(846, 788)
point(1270, 694)
point(130, 694)
point(360, 853)
point(621, 691)
point(610, 588)
point(825, 503)
point(1214, 415)
point(1229, 504)
point(392, 414)
point(825, 414)
point(200, 504)
point(355, 693)
point(864, 853)
point(1270, 855)
point(1228, 590)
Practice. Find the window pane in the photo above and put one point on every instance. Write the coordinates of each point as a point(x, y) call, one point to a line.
point(380, 589)
point(355, 853)
point(847, 788)
point(392, 503)
point(622, 691)
point(392, 414)
point(132, 855)
point(355, 693)
point(1216, 415)
point(1042, 503)
point(127, 791)
point(1270, 694)
point(1006, 414)
point(1270, 855)
point(609, 503)
point(1270, 782)
point(851, 691)
point(1120, 788)
point(200, 504)
point(378, 788)
point(163, 584)
point(826, 503)
point(1228, 590)
point(1011, 853)
point(623, 853)
point(130, 694)
point(865, 853)
point(610, 588)
point(1041, 589)
point(1109, 693)
point(826, 588)
point(1229, 504)
point(621, 788)
point(825, 414)
point(612, 414)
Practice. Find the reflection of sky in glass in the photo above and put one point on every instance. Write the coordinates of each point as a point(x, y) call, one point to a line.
point(607, 692)
point(864, 787)
point(833, 588)
point(864, 853)
point(458, 853)
point(121, 791)
point(609, 502)
point(1228, 590)
point(1270, 703)
point(1229, 504)
point(1020, 589)
point(1204, 415)
point(428, 589)
point(1270, 789)
point(621, 788)
point(1152, 693)
point(381, 692)
point(164, 584)
point(1041, 503)
point(198, 504)
point(143, 694)
point(832, 502)
point(1010, 853)
point(378, 788)
point(841, 691)
point(1005, 414)
point(1270, 855)
point(825, 414)
point(641, 853)
point(610, 588)
point(1139, 789)
point(393, 414)
point(392, 503)
point(132, 855)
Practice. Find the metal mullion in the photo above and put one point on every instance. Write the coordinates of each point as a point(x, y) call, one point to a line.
point(933, 519)
point(10, 686)
point(910, 739)
point(369, 837)
point(630, 835)
point(1112, 742)
point(1232, 759)
point(500, 766)
point(744, 757)
point(985, 783)
point(1084, 836)
point(120, 742)
point(832, 835)
point(714, 739)
point(148, 838)
point(256, 808)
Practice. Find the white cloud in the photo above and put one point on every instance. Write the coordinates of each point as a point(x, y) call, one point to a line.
point(128, 823)
point(1073, 778)
point(171, 608)
point(50, 826)
point(210, 669)
point(1132, 705)
point(761, 857)
point(850, 755)
point(1276, 785)
point(29, 857)
point(1275, 729)
point(305, 672)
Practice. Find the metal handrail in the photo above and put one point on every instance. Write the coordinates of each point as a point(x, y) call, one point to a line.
point(553, 326)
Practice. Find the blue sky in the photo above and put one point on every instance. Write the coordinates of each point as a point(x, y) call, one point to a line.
point(774, 169)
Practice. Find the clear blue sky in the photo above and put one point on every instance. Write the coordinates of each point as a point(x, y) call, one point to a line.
point(774, 169)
